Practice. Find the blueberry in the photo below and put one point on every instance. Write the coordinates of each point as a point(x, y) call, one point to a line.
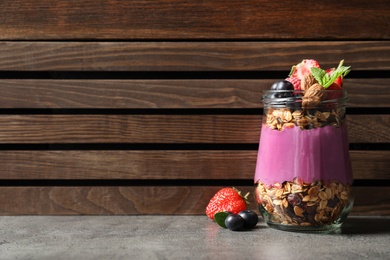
point(277, 94)
point(250, 218)
point(282, 85)
point(274, 95)
point(234, 222)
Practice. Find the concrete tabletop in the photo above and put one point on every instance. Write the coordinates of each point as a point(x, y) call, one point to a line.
point(182, 237)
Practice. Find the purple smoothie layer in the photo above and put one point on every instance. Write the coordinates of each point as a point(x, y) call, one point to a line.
point(316, 154)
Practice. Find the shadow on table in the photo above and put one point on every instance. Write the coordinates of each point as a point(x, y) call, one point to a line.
point(362, 225)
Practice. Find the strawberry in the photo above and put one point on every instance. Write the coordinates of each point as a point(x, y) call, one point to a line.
point(303, 68)
point(336, 85)
point(334, 95)
point(226, 199)
point(331, 76)
point(339, 80)
point(295, 81)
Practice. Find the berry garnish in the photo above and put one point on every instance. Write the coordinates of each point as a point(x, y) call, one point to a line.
point(338, 81)
point(334, 94)
point(301, 69)
point(250, 218)
point(282, 85)
point(280, 89)
point(227, 199)
point(284, 94)
point(295, 82)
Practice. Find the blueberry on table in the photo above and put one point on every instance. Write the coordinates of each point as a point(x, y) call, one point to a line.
point(234, 222)
point(250, 218)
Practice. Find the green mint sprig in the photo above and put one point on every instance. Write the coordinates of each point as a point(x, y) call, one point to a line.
point(325, 79)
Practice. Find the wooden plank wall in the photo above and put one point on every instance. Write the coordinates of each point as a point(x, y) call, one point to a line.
point(140, 107)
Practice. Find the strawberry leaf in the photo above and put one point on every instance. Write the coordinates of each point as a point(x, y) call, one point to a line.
point(245, 197)
point(220, 218)
point(293, 68)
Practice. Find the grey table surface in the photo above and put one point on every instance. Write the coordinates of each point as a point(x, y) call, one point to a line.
point(182, 237)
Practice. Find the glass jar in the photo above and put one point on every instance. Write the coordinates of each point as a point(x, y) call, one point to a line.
point(303, 173)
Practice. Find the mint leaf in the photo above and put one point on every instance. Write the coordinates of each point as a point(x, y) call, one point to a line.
point(325, 79)
point(320, 75)
point(220, 218)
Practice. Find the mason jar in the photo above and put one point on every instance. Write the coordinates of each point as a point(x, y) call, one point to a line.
point(303, 172)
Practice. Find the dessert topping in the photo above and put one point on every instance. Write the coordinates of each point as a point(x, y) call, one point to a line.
point(304, 90)
point(303, 68)
point(282, 85)
point(313, 96)
point(326, 79)
point(295, 81)
point(307, 81)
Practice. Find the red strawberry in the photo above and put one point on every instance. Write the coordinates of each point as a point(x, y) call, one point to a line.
point(336, 85)
point(334, 95)
point(339, 80)
point(296, 82)
point(303, 68)
point(226, 199)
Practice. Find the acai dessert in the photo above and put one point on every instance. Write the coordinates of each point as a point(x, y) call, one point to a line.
point(303, 174)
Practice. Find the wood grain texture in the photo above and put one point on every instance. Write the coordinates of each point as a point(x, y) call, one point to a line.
point(189, 56)
point(183, 19)
point(145, 200)
point(131, 60)
point(130, 128)
point(158, 165)
point(171, 94)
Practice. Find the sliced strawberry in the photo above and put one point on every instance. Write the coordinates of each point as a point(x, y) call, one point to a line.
point(334, 86)
point(295, 81)
point(303, 68)
point(334, 94)
point(339, 80)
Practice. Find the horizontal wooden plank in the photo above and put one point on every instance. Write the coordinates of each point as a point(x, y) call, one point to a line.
point(137, 128)
point(158, 165)
point(138, 94)
point(189, 56)
point(172, 94)
point(145, 200)
point(183, 19)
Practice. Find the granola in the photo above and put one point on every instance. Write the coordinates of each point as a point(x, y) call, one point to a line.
point(303, 204)
point(280, 118)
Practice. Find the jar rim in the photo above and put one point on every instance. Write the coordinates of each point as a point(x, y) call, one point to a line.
point(284, 97)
